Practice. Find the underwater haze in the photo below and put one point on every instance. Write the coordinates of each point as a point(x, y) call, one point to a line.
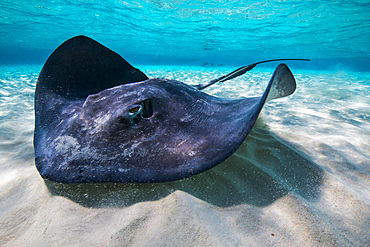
point(300, 178)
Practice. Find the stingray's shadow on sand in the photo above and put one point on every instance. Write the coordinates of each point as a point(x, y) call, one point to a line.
point(262, 170)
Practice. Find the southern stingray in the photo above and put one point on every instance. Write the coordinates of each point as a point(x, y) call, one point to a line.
point(98, 119)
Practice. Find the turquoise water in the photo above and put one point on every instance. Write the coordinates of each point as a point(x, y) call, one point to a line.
point(334, 34)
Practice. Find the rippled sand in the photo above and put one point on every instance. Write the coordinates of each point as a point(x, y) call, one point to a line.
point(301, 178)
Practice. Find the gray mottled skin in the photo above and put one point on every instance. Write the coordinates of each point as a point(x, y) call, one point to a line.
point(152, 130)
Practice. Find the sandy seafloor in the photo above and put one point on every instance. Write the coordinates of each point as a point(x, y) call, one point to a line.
point(301, 178)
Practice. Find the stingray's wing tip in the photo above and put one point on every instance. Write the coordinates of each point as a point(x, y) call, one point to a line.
point(282, 83)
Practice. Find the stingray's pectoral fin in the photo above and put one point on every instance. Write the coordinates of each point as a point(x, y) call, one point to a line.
point(282, 84)
point(81, 67)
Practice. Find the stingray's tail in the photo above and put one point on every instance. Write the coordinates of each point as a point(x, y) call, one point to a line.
point(241, 71)
point(282, 84)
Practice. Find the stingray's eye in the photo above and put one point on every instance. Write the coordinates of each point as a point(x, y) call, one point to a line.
point(141, 110)
point(135, 110)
